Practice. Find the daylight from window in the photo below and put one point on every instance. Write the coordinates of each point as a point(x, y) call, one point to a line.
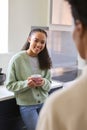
point(3, 26)
point(63, 15)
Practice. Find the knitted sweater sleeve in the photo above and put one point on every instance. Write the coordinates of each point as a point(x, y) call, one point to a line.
point(12, 82)
point(48, 80)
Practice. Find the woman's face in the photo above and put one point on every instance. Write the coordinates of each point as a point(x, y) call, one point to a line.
point(37, 43)
point(80, 38)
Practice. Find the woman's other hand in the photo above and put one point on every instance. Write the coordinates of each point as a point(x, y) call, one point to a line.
point(35, 82)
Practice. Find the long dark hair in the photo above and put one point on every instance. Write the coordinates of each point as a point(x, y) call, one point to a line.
point(43, 57)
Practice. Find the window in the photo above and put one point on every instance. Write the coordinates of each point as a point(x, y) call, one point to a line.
point(3, 26)
point(62, 49)
point(60, 12)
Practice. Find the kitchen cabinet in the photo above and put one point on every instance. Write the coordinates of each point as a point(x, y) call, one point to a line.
point(10, 118)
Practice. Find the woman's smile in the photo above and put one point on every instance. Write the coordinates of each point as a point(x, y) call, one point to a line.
point(37, 43)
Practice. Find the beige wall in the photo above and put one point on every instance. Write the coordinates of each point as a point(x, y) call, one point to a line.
point(22, 15)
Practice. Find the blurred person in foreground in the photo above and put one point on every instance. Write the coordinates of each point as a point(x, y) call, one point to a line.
point(67, 109)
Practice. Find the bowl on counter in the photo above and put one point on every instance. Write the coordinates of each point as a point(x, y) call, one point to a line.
point(36, 77)
point(0, 70)
point(2, 78)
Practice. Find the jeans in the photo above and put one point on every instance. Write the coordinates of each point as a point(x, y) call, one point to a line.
point(30, 114)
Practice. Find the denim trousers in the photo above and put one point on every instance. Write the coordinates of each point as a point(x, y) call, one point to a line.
point(30, 115)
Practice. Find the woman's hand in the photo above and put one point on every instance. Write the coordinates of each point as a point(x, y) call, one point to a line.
point(40, 82)
point(34, 82)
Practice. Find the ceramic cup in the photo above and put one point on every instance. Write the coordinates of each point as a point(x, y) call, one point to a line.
point(36, 77)
point(2, 78)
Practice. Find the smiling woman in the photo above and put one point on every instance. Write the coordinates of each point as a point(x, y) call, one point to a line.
point(30, 93)
point(4, 26)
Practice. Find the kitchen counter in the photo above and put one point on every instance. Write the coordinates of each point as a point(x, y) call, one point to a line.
point(5, 94)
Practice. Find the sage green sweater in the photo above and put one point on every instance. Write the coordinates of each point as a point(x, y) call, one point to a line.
point(19, 69)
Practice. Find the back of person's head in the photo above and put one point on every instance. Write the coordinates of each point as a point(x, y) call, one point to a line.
point(79, 10)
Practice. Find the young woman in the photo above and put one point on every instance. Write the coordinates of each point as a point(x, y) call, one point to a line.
point(67, 110)
point(30, 94)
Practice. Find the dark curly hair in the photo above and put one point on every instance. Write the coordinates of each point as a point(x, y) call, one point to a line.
point(43, 57)
point(79, 10)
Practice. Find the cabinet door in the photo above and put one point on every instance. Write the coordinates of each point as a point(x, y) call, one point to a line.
point(10, 116)
point(60, 12)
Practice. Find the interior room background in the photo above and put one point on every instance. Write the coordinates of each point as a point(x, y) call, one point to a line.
point(23, 14)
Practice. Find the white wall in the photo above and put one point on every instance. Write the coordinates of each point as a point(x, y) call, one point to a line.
point(22, 15)
point(4, 60)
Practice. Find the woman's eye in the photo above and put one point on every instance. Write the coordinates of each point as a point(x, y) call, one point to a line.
point(35, 40)
point(42, 42)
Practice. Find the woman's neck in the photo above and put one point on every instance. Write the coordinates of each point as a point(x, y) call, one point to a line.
point(30, 53)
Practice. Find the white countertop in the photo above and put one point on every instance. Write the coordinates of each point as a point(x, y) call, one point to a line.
point(5, 94)
point(56, 84)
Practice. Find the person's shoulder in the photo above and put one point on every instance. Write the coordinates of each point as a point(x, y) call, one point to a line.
point(65, 95)
point(18, 55)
